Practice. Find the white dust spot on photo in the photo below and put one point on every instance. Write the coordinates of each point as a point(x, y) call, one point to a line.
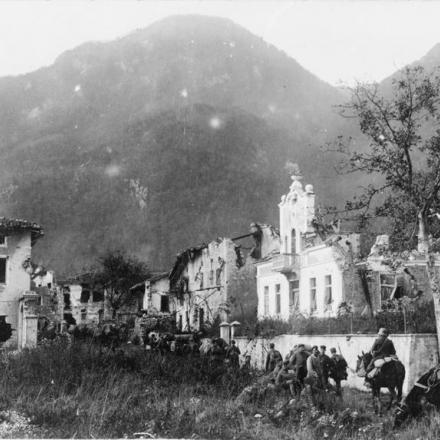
point(215, 122)
point(272, 108)
point(77, 88)
point(184, 93)
point(113, 170)
point(232, 43)
point(34, 113)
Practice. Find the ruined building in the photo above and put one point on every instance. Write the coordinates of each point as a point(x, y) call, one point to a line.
point(18, 302)
point(319, 270)
point(218, 280)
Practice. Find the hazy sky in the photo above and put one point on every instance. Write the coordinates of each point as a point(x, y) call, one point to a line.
point(337, 41)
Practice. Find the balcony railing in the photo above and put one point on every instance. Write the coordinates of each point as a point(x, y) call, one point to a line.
point(286, 263)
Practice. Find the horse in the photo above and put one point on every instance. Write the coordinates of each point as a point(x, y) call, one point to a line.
point(426, 389)
point(391, 376)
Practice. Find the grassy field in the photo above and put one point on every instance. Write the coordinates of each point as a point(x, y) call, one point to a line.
point(61, 391)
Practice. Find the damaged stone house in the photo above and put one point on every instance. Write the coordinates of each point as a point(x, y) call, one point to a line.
point(156, 297)
point(82, 303)
point(217, 280)
point(18, 304)
point(319, 270)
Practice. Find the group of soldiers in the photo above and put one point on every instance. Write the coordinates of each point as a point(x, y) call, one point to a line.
point(302, 366)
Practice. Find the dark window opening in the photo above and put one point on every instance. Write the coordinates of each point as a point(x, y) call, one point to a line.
point(294, 294)
point(277, 299)
point(293, 242)
point(164, 303)
point(201, 318)
point(85, 296)
point(70, 320)
point(2, 240)
point(83, 314)
point(100, 315)
point(5, 329)
point(2, 270)
point(67, 304)
point(97, 296)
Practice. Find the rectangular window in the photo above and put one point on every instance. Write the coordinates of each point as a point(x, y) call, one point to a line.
point(328, 298)
point(3, 264)
point(277, 299)
point(164, 304)
point(266, 300)
point(387, 282)
point(294, 294)
point(312, 295)
point(3, 240)
point(211, 273)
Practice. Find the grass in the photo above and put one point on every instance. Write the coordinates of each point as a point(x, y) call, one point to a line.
point(80, 391)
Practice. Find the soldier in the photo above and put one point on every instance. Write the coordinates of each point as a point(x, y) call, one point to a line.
point(314, 375)
point(233, 355)
point(381, 348)
point(217, 354)
point(314, 369)
point(325, 365)
point(285, 379)
point(298, 362)
point(338, 370)
point(273, 358)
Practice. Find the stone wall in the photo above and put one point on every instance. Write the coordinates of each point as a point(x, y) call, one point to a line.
point(418, 352)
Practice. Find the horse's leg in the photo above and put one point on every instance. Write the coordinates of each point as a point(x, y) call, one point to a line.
point(399, 390)
point(379, 402)
point(393, 396)
point(375, 406)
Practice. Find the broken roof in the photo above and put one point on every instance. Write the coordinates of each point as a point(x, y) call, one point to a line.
point(8, 225)
point(155, 276)
point(182, 260)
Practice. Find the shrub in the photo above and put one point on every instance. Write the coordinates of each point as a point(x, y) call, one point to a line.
point(399, 316)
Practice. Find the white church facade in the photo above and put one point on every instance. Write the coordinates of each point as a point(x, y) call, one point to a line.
point(311, 274)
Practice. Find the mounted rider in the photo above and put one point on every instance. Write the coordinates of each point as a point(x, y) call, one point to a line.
point(382, 349)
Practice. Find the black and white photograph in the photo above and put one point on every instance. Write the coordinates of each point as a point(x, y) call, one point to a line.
point(220, 219)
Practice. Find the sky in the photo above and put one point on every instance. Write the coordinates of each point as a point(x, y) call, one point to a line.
point(339, 41)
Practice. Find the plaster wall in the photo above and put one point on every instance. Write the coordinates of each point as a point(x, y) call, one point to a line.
point(157, 290)
point(17, 250)
point(318, 264)
point(208, 274)
point(418, 352)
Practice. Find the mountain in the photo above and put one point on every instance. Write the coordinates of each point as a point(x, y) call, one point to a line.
point(172, 135)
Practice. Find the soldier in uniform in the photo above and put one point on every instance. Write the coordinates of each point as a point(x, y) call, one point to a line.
point(325, 365)
point(273, 358)
point(233, 355)
point(298, 362)
point(338, 369)
point(381, 348)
